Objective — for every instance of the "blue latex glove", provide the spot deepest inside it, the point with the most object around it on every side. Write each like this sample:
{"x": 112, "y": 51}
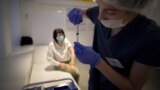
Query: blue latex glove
{"x": 75, "y": 16}
{"x": 86, "y": 55}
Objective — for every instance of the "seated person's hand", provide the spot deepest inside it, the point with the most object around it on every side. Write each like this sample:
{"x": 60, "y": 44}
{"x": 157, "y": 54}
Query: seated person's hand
{"x": 75, "y": 16}
{"x": 62, "y": 66}
{"x": 86, "y": 55}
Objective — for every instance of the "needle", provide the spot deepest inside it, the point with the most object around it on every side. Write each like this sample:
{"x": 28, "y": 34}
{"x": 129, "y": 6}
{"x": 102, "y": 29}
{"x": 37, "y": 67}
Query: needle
{"x": 77, "y": 33}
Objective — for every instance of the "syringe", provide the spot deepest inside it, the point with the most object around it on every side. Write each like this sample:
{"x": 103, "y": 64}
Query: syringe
{"x": 77, "y": 33}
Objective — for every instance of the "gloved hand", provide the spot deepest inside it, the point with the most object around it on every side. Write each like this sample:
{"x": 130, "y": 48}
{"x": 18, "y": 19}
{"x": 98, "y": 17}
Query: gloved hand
{"x": 75, "y": 16}
{"x": 86, "y": 55}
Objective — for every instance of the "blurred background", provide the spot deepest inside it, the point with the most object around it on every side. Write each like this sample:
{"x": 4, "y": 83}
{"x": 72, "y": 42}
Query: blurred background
{"x": 37, "y": 19}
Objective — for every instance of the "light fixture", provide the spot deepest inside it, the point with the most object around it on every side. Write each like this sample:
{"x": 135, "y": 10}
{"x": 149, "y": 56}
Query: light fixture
{"x": 88, "y": 0}
{"x": 59, "y": 11}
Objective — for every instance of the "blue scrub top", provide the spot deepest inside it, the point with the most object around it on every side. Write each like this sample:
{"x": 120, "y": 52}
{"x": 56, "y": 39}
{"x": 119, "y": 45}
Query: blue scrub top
{"x": 138, "y": 41}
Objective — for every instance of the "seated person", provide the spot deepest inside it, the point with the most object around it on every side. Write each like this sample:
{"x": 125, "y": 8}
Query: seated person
{"x": 61, "y": 54}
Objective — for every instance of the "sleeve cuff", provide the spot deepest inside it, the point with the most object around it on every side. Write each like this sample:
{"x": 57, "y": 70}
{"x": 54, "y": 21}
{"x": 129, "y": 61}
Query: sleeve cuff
{"x": 55, "y": 63}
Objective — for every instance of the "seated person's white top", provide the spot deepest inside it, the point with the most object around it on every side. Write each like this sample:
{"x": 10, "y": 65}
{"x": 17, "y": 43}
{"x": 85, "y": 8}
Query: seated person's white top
{"x": 57, "y": 54}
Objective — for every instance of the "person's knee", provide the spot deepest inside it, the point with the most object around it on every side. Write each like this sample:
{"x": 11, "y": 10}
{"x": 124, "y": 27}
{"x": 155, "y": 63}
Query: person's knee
{"x": 75, "y": 70}
{"x": 60, "y": 68}
{"x": 75, "y": 73}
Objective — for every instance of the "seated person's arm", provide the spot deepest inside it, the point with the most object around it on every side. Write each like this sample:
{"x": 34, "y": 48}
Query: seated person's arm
{"x": 71, "y": 51}
{"x": 50, "y": 57}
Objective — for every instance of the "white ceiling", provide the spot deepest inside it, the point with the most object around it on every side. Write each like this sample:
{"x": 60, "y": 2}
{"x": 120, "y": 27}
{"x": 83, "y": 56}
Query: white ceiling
{"x": 75, "y": 3}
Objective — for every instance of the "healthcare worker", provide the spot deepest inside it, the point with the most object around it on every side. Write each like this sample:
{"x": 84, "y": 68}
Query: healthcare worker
{"x": 61, "y": 54}
{"x": 126, "y": 44}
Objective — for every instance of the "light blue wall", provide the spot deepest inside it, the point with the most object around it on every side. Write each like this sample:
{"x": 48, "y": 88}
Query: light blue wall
{"x": 14, "y": 19}
{"x": 9, "y": 27}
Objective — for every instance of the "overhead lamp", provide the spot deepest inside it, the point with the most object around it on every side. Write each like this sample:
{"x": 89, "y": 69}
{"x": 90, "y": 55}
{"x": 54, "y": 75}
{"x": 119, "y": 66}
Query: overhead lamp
{"x": 88, "y": 0}
{"x": 59, "y": 11}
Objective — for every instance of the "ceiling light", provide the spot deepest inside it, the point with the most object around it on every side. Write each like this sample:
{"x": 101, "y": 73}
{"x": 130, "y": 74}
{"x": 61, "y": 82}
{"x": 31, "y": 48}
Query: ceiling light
{"x": 59, "y": 11}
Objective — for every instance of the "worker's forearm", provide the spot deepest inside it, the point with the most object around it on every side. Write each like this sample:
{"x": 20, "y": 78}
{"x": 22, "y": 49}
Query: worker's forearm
{"x": 117, "y": 79}
{"x": 84, "y": 12}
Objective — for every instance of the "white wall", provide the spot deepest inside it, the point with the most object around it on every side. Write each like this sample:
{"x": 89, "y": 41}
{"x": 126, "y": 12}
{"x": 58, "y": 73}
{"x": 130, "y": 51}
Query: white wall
{"x": 25, "y": 15}
{"x": 44, "y": 20}
{"x": 2, "y": 54}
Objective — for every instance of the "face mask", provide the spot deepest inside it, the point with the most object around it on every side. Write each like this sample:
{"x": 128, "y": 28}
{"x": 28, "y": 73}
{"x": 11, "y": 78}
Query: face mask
{"x": 60, "y": 38}
{"x": 113, "y": 23}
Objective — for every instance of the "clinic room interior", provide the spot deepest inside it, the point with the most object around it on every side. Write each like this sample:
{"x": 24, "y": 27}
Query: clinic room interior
{"x": 26, "y": 29}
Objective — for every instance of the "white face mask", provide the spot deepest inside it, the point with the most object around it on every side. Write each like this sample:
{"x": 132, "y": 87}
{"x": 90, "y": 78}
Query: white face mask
{"x": 113, "y": 23}
{"x": 60, "y": 38}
